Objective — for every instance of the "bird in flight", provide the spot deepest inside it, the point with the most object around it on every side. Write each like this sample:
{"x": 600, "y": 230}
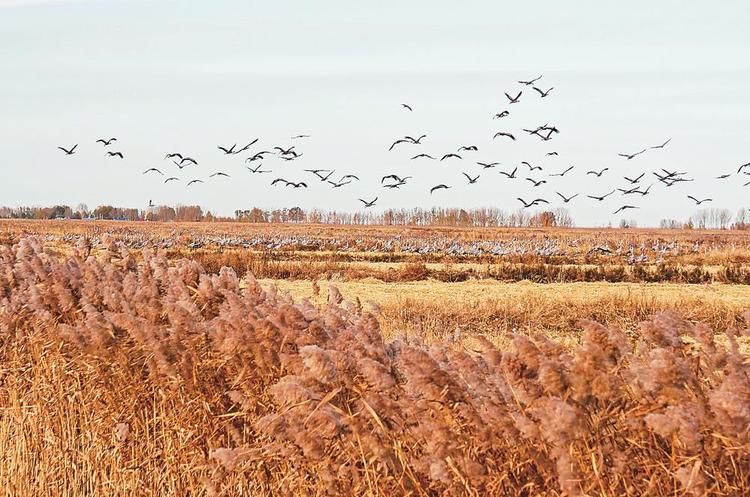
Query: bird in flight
{"x": 219, "y": 174}
{"x": 283, "y": 151}
{"x": 227, "y": 151}
{"x": 566, "y": 199}
{"x": 516, "y": 99}
{"x": 602, "y": 197}
{"x": 257, "y": 169}
{"x": 633, "y": 181}
{"x": 564, "y": 172}
{"x": 339, "y": 184}
{"x": 300, "y": 136}
{"x": 114, "y": 154}
{"x": 173, "y": 178}
{"x": 503, "y": 133}
{"x": 487, "y": 165}
{"x": 172, "y": 156}
{"x": 188, "y": 159}
{"x": 534, "y": 202}
{"x": 69, "y": 151}
{"x": 531, "y": 81}
{"x": 470, "y": 148}
{"x": 510, "y": 175}
{"x": 631, "y": 156}
{"x": 629, "y": 191}
{"x": 154, "y": 170}
{"x": 426, "y": 156}
{"x": 448, "y": 156}
{"x": 416, "y": 141}
{"x": 537, "y": 183}
{"x": 439, "y": 187}
{"x": 500, "y": 115}
{"x": 106, "y": 143}
{"x": 663, "y": 144}
{"x": 699, "y": 202}
{"x": 301, "y": 184}
{"x": 723, "y": 176}
{"x": 407, "y": 106}
{"x": 394, "y": 177}
{"x": 543, "y": 93}
{"x": 552, "y": 153}
{"x": 195, "y": 181}
{"x": 624, "y": 208}
{"x": 531, "y": 168}
{"x": 598, "y": 173}
{"x": 370, "y": 203}
{"x": 743, "y": 166}
{"x": 471, "y": 180}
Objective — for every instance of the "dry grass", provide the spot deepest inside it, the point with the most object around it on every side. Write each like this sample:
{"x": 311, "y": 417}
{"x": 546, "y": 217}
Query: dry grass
{"x": 140, "y": 376}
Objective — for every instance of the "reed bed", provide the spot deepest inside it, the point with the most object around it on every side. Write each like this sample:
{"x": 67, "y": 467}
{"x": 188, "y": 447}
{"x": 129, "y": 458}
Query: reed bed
{"x": 123, "y": 375}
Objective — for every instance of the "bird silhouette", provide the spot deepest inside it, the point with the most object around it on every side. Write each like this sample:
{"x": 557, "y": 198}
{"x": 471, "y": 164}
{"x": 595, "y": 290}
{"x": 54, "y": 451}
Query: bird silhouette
{"x": 339, "y": 184}
{"x": 510, "y": 175}
{"x": 448, "y": 156}
{"x": 531, "y": 168}
{"x": 438, "y": 187}
{"x": 503, "y": 133}
{"x": 488, "y": 165}
{"x": 500, "y": 115}
{"x": 564, "y": 172}
{"x": 552, "y": 153}
{"x": 536, "y": 183}
{"x": 369, "y": 203}
{"x": 633, "y": 181}
{"x": 349, "y": 176}
{"x": 531, "y": 81}
{"x": 227, "y": 151}
{"x": 631, "y": 156}
{"x": 407, "y": 106}
{"x": 624, "y": 208}
{"x": 257, "y": 169}
{"x": 699, "y": 202}
{"x": 219, "y": 174}
{"x": 115, "y": 154}
{"x": 106, "y": 143}
{"x": 173, "y": 178}
{"x": 470, "y": 148}
{"x": 415, "y": 141}
{"x": 188, "y": 159}
{"x": 602, "y": 197}
{"x": 70, "y": 151}
{"x": 153, "y": 169}
{"x": 195, "y": 181}
{"x": 566, "y": 199}
{"x": 724, "y": 176}
{"x": 426, "y": 156}
{"x": 516, "y": 99}
{"x": 534, "y": 202}
{"x": 471, "y": 180}
{"x": 301, "y": 184}
{"x": 743, "y": 166}
{"x": 541, "y": 92}
{"x": 598, "y": 173}
{"x": 297, "y": 137}
{"x": 663, "y": 144}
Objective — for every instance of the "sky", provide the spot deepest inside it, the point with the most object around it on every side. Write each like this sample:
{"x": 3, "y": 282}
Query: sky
{"x": 187, "y": 76}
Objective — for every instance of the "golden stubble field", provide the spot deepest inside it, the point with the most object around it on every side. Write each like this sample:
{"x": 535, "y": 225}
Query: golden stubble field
{"x": 371, "y": 361}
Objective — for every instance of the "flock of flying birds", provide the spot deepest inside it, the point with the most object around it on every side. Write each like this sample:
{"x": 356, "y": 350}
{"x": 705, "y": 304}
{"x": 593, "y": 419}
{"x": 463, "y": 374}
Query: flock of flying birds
{"x": 633, "y": 186}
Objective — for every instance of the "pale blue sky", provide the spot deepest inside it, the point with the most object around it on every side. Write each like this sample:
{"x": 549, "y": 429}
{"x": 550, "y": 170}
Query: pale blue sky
{"x": 188, "y": 76}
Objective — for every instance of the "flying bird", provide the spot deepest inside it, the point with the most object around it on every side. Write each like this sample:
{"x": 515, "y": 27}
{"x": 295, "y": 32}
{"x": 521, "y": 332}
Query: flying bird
{"x": 743, "y": 166}
{"x": 532, "y": 203}
{"x": 566, "y": 199}
{"x": 370, "y": 203}
{"x": 188, "y": 159}
{"x": 564, "y": 172}
{"x": 415, "y": 141}
{"x": 257, "y": 169}
{"x": 723, "y": 176}
{"x": 219, "y": 174}
{"x": 488, "y": 165}
{"x": 69, "y": 151}
{"x": 537, "y": 183}
{"x": 115, "y": 154}
{"x": 349, "y": 176}
{"x": 470, "y": 148}
{"x": 503, "y": 133}
{"x": 598, "y": 173}
{"x": 438, "y": 187}
{"x": 301, "y": 184}
{"x": 300, "y": 136}
{"x": 500, "y": 115}
{"x": 471, "y": 180}
{"x": 531, "y": 168}
{"x": 699, "y": 202}
{"x": 407, "y": 106}
{"x": 633, "y": 181}
{"x": 516, "y": 99}
{"x": 227, "y": 151}
{"x": 624, "y": 208}
{"x": 663, "y": 144}
{"x": 394, "y": 177}
{"x": 543, "y": 93}
{"x": 448, "y": 156}
{"x": 552, "y": 153}
{"x": 247, "y": 146}
{"x": 172, "y": 156}
{"x": 426, "y": 156}
{"x": 602, "y": 197}
{"x": 195, "y": 181}
{"x": 510, "y": 175}
{"x": 631, "y": 156}
{"x": 106, "y": 143}
{"x": 173, "y": 178}
{"x": 339, "y": 184}
{"x": 278, "y": 180}
{"x": 154, "y": 170}
{"x": 531, "y": 81}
